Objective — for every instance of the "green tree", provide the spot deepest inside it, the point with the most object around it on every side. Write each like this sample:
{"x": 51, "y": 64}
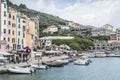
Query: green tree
{"x": 75, "y": 46}
{"x": 23, "y": 6}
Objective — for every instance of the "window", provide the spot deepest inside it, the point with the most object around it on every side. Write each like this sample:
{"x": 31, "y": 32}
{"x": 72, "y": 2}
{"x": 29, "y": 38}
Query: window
{"x": 14, "y": 46}
{"x": 23, "y": 28}
{"x": 4, "y": 22}
{"x": 4, "y": 30}
{"x": 19, "y": 20}
{"x": 19, "y": 26}
{"x": 5, "y": 13}
{"x": 19, "y": 33}
{"x": 23, "y": 35}
{"x": 22, "y": 41}
{"x": 4, "y": 38}
{"x": 9, "y": 23}
{"x": 13, "y": 32}
{"x": 23, "y": 21}
{"x": 8, "y": 39}
{"x": 9, "y": 15}
{"x": 13, "y": 40}
{"x": 13, "y": 17}
{"x": 13, "y": 24}
{"x": 18, "y": 46}
{"x": 5, "y": 5}
{"x": 8, "y": 31}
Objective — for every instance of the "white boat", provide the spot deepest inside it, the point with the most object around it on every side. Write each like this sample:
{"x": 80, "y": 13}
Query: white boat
{"x": 39, "y": 66}
{"x": 66, "y": 61}
{"x": 86, "y": 58}
{"x": 21, "y": 70}
{"x": 81, "y": 62}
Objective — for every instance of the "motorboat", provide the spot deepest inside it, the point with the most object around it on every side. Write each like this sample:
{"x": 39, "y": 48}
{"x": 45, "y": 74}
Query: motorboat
{"x": 54, "y": 63}
{"x": 21, "y": 70}
{"x": 61, "y": 61}
{"x": 39, "y": 66}
{"x": 86, "y": 58}
{"x": 81, "y": 62}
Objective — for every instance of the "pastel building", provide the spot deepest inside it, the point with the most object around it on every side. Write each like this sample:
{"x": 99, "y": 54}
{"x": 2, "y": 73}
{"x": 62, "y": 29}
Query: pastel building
{"x": 0, "y": 17}
{"x": 3, "y": 20}
{"x": 101, "y": 31}
{"x": 30, "y": 33}
{"x": 24, "y": 29}
{"x": 108, "y": 27}
{"x": 51, "y": 29}
{"x": 115, "y": 37}
{"x": 12, "y": 13}
{"x": 19, "y": 32}
{"x": 36, "y": 34}
{"x": 118, "y": 34}
{"x": 64, "y": 27}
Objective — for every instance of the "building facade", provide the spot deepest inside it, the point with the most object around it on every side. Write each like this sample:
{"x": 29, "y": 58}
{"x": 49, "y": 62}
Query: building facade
{"x": 16, "y": 29}
{"x": 65, "y": 27}
{"x": 0, "y": 17}
{"x": 108, "y": 27}
{"x": 113, "y": 37}
{"x": 30, "y": 33}
{"x": 118, "y": 34}
{"x": 36, "y": 35}
{"x": 12, "y": 32}
{"x": 19, "y": 33}
{"x": 51, "y": 29}
{"x": 3, "y": 21}
{"x": 101, "y": 32}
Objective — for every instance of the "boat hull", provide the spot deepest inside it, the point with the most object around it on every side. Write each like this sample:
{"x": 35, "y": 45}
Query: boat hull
{"x": 20, "y": 70}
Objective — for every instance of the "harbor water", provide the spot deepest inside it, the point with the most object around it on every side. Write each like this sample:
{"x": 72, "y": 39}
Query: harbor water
{"x": 99, "y": 69}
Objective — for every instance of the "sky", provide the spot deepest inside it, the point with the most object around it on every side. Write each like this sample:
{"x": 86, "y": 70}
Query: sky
{"x": 87, "y": 12}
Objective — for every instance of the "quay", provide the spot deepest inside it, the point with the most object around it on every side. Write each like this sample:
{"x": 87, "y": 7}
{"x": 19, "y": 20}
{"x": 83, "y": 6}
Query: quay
{"x": 4, "y": 68}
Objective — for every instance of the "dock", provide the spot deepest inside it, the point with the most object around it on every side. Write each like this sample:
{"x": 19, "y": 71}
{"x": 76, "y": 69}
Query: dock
{"x": 4, "y": 68}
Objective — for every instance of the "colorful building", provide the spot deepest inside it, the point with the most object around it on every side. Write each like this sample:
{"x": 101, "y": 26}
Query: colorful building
{"x": 118, "y": 34}
{"x": 30, "y": 33}
{"x": 51, "y": 29}
{"x": 0, "y": 17}
{"x": 12, "y": 13}
{"x": 3, "y": 20}
{"x": 16, "y": 29}
{"x": 113, "y": 37}
{"x": 24, "y": 29}
{"x": 36, "y": 35}
{"x": 19, "y": 29}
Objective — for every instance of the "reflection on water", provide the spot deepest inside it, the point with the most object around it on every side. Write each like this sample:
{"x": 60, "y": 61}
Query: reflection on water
{"x": 99, "y": 69}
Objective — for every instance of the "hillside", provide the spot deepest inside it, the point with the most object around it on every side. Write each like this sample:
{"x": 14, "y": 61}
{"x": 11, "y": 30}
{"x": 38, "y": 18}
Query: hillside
{"x": 44, "y": 19}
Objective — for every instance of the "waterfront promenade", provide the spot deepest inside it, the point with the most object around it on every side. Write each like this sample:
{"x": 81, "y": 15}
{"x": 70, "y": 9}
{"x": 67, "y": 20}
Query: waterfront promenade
{"x": 31, "y": 61}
